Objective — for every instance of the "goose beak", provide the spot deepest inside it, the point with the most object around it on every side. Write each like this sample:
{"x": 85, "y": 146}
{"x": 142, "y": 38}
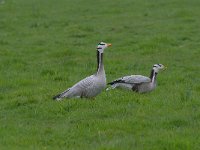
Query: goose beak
{"x": 109, "y": 44}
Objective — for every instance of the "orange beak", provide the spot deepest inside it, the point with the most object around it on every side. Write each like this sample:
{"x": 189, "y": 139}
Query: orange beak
{"x": 109, "y": 44}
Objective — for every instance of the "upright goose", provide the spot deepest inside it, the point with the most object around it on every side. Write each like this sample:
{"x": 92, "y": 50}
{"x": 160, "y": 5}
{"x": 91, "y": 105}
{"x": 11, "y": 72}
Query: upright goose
{"x": 138, "y": 83}
{"x": 92, "y": 85}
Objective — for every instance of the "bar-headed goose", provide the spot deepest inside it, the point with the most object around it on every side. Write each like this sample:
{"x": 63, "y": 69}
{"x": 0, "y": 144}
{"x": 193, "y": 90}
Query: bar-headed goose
{"x": 138, "y": 83}
{"x": 90, "y": 86}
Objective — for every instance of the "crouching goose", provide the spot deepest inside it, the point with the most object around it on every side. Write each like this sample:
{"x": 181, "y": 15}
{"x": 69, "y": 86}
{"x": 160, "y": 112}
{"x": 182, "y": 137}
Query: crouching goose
{"x": 138, "y": 83}
{"x": 90, "y": 86}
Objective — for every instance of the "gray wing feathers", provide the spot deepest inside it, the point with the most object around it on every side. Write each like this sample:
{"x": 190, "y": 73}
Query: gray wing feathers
{"x": 78, "y": 89}
{"x": 87, "y": 82}
{"x": 135, "y": 79}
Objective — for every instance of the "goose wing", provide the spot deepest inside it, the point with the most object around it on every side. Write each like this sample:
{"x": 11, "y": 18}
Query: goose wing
{"x": 78, "y": 89}
{"x": 132, "y": 79}
{"x": 85, "y": 83}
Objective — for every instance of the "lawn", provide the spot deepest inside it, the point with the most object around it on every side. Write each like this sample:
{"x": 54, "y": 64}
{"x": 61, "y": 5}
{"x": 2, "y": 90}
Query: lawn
{"x": 48, "y": 45}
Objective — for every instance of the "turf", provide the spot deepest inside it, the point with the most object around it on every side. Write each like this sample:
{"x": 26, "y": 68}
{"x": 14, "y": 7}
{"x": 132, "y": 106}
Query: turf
{"x": 47, "y": 46}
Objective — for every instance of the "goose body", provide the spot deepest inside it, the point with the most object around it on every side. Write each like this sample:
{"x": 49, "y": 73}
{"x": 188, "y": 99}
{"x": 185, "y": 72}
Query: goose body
{"x": 92, "y": 85}
{"x": 138, "y": 83}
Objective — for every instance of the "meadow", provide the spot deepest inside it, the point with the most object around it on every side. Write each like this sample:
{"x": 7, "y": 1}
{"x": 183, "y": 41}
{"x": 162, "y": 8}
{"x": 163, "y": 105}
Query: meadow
{"x": 47, "y": 46}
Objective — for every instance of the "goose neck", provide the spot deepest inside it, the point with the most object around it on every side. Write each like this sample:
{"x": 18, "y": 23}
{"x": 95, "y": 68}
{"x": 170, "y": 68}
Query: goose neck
{"x": 153, "y": 76}
{"x": 100, "y": 66}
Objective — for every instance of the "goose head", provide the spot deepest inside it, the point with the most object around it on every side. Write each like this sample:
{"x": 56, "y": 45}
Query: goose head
{"x": 158, "y": 67}
{"x": 102, "y": 45}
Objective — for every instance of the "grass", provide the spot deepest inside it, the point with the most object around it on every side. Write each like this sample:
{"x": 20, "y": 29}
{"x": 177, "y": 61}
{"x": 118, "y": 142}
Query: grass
{"x": 47, "y": 46}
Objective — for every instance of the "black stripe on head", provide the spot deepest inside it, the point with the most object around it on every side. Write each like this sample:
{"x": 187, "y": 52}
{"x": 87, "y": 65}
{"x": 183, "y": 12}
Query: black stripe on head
{"x": 99, "y": 48}
{"x": 159, "y": 65}
{"x": 101, "y": 44}
{"x": 156, "y": 65}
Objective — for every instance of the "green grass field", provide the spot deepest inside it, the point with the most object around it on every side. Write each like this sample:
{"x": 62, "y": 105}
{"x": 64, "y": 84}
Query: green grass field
{"x": 48, "y": 45}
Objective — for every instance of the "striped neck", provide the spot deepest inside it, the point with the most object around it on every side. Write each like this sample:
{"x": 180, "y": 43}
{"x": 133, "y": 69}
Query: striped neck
{"x": 100, "y": 66}
{"x": 153, "y": 76}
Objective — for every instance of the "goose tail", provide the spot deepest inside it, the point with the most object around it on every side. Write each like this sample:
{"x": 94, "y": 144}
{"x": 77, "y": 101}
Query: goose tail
{"x": 59, "y": 96}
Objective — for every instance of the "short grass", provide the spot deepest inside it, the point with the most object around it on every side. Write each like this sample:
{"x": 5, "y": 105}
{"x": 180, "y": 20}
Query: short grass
{"x": 48, "y": 45}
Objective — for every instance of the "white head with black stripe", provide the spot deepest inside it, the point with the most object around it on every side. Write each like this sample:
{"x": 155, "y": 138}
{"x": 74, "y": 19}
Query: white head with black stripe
{"x": 102, "y": 45}
{"x": 158, "y": 67}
